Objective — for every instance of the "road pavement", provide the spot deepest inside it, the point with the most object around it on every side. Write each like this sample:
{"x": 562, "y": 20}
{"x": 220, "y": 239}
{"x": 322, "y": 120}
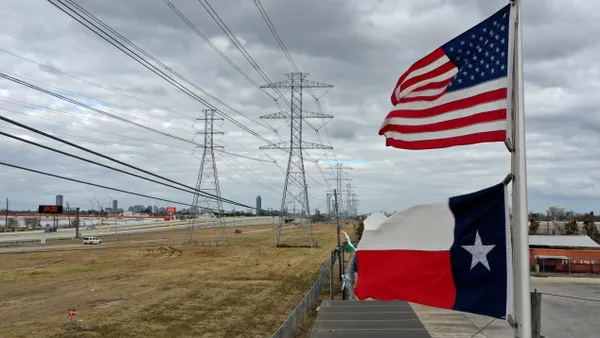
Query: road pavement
{"x": 126, "y": 228}
{"x": 568, "y": 317}
{"x": 104, "y": 245}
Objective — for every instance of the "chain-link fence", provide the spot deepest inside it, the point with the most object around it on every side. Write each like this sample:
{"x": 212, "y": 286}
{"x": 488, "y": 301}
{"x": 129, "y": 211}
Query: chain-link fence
{"x": 349, "y": 277}
{"x": 565, "y": 265}
{"x": 303, "y": 309}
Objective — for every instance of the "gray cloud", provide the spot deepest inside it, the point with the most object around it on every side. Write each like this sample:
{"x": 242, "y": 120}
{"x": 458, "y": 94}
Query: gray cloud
{"x": 361, "y": 48}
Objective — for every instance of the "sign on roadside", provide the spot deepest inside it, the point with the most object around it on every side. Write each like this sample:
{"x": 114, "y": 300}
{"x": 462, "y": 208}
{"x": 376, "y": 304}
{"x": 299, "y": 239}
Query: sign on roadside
{"x": 72, "y": 312}
{"x": 43, "y": 240}
{"x": 171, "y": 209}
{"x": 50, "y": 209}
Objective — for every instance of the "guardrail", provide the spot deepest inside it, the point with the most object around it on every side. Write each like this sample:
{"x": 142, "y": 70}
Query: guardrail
{"x": 27, "y": 241}
{"x": 288, "y": 328}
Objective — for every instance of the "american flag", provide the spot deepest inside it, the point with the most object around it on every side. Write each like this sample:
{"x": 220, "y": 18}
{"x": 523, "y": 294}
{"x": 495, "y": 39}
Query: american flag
{"x": 456, "y": 95}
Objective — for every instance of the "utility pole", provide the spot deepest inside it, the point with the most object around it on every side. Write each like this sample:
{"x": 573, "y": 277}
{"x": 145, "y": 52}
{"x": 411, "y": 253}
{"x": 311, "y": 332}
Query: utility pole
{"x": 339, "y": 177}
{"x": 295, "y": 188}
{"x": 6, "y": 216}
{"x": 77, "y": 223}
{"x": 328, "y": 208}
{"x": 339, "y": 248}
{"x": 208, "y": 178}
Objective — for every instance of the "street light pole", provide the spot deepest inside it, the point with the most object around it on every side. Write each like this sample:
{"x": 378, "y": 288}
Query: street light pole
{"x": 97, "y": 213}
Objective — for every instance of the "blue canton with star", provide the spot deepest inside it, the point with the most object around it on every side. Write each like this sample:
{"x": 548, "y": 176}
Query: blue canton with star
{"x": 481, "y": 53}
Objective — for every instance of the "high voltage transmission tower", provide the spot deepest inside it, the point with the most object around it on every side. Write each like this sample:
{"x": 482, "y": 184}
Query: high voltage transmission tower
{"x": 339, "y": 177}
{"x": 295, "y": 188}
{"x": 349, "y": 201}
{"x": 208, "y": 177}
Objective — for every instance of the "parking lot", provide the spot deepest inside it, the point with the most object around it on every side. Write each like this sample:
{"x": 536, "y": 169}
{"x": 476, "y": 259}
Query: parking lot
{"x": 565, "y": 313}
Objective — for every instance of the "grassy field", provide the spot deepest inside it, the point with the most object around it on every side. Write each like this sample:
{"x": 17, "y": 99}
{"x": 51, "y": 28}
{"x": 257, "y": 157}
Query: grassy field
{"x": 246, "y": 289}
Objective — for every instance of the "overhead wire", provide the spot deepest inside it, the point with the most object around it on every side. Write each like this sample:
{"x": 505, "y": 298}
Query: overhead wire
{"x": 215, "y": 48}
{"x": 106, "y": 104}
{"x": 265, "y": 16}
{"x": 249, "y": 58}
{"x": 94, "y": 184}
{"x": 279, "y": 41}
{"x": 99, "y": 164}
{"x": 240, "y": 47}
{"x": 145, "y": 147}
{"x": 83, "y": 105}
{"x": 37, "y": 131}
{"x": 74, "y": 116}
{"x": 94, "y": 84}
{"x": 114, "y": 134}
{"x": 132, "y": 54}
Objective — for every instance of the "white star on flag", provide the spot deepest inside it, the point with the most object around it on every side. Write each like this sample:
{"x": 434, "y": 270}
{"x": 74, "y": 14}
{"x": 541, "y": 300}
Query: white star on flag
{"x": 479, "y": 252}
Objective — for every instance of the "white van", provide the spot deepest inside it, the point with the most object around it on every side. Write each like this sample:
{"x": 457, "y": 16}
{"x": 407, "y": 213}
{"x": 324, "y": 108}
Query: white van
{"x": 92, "y": 240}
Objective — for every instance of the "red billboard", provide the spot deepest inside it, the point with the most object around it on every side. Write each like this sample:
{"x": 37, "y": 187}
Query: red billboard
{"x": 171, "y": 209}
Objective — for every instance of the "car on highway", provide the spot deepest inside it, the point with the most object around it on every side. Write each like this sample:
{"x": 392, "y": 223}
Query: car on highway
{"x": 91, "y": 240}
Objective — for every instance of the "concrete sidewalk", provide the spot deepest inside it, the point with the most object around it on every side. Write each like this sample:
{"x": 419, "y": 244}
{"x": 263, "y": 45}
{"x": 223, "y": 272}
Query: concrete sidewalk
{"x": 442, "y": 323}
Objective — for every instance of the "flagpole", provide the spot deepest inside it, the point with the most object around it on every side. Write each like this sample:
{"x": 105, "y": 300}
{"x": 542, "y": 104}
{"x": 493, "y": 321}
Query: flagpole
{"x": 520, "y": 189}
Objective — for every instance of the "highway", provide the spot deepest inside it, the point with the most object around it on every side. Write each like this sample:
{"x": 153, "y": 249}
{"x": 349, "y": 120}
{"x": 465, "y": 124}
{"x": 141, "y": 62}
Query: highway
{"x": 105, "y": 245}
{"x": 7, "y": 238}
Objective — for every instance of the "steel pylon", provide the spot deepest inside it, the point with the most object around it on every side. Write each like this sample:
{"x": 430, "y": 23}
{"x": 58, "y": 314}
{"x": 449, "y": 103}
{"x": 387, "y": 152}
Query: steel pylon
{"x": 208, "y": 177}
{"x": 295, "y": 189}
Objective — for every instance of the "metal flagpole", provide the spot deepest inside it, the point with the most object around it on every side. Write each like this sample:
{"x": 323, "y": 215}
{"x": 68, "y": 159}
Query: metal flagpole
{"x": 521, "y": 233}
{"x": 510, "y": 139}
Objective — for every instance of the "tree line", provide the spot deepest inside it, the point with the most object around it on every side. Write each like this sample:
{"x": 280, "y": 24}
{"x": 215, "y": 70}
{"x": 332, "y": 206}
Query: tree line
{"x": 571, "y": 227}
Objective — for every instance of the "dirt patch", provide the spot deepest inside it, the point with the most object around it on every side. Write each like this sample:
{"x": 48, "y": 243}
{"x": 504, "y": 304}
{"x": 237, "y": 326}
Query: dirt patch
{"x": 104, "y": 305}
{"x": 162, "y": 251}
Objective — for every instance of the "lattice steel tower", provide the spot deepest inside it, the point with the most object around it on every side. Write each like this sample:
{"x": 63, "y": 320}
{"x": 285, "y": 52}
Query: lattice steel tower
{"x": 295, "y": 188}
{"x": 208, "y": 177}
{"x": 339, "y": 177}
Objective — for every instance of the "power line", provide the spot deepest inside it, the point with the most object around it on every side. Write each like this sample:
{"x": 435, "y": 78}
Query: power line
{"x": 106, "y": 157}
{"x": 234, "y": 40}
{"x": 107, "y": 166}
{"x": 93, "y": 84}
{"x": 92, "y": 184}
{"x": 109, "y": 105}
{"x": 119, "y": 45}
{"x": 79, "y": 117}
{"x": 51, "y": 93}
{"x": 207, "y": 40}
{"x": 119, "y": 135}
{"x": 265, "y": 16}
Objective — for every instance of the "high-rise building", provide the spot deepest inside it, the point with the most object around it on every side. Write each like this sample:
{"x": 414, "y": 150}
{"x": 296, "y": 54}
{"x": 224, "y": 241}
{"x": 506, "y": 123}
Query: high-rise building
{"x": 59, "y": 200}
{"x": 115, "y": 206}
{"x": 258, "y": 204}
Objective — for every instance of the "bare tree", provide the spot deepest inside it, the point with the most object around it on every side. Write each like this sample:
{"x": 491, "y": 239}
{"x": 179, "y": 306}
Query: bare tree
{"x": 32, "y": 222}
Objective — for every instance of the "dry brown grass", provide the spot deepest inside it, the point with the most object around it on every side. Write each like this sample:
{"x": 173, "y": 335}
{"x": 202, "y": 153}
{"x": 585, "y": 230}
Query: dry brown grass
{"x": 246, "y": 289}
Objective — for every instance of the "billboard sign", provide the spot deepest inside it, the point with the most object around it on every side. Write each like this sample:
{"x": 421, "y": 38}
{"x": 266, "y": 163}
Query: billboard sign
{"x": 171, "y": 209}
{"x": 50, "y": 209}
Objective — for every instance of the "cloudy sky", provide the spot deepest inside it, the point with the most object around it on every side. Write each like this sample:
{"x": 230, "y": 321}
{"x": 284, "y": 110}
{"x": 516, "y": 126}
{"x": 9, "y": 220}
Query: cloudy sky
{"x": 359, "y": 47}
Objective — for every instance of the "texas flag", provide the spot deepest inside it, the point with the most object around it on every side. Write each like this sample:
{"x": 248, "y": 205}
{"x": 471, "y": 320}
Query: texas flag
{"x": 452, "y": 255}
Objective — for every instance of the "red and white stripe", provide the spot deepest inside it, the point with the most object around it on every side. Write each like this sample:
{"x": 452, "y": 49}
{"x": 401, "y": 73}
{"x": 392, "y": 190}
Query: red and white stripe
{"x": 426, "y": 117}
